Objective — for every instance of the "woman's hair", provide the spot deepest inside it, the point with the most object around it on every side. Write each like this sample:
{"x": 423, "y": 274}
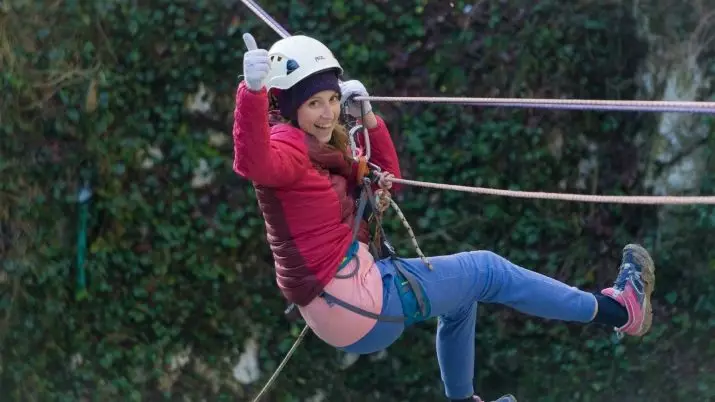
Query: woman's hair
{"x": 341, "y": 141}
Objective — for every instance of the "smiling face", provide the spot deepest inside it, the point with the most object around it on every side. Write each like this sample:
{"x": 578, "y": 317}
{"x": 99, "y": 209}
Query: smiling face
{"x": 319, "y": 115}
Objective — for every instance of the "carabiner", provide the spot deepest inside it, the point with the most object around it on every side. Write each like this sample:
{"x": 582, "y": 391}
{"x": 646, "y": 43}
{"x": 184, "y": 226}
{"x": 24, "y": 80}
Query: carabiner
{"x": 353, "y": 143}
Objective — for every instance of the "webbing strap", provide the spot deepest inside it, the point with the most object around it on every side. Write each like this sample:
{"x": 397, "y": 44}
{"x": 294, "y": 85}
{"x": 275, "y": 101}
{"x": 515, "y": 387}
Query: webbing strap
{"x": 367, "y": 195}
{"x": 362, "y": 204}
{"x": 411, "y": 281}
{"x": 352, "y": 273}
{"x": 416, "y": 289}
{"x": 355, "y": 309}
{"x": 356, "y": 229}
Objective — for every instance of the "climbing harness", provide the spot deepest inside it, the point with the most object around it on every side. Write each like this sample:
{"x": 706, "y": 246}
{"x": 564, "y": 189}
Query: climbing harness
{"x": 406, "y": 283}
{"x": 415, "y": 307}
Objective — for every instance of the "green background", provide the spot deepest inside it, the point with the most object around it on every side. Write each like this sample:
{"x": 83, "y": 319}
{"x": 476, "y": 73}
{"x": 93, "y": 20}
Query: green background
{"x": 89, "y": 88}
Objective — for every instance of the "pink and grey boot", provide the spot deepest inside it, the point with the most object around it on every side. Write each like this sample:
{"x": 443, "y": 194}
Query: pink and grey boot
{"x": 633, "y": 288}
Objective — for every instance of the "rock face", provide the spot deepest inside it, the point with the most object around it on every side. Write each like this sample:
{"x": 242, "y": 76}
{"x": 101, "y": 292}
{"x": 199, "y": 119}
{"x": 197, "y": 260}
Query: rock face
{"x": 678, "y": 67}
{"x": 680, "y": 37}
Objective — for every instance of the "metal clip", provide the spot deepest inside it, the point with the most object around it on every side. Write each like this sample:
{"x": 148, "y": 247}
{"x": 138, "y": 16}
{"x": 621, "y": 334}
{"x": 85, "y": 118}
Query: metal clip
{"x": 353, "y": 142}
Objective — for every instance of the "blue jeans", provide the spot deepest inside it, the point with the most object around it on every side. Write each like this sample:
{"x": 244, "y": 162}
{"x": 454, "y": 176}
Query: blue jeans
{"x": 455, "y": 286}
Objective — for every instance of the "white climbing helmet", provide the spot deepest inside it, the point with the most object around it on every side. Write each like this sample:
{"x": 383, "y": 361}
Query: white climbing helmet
{"x": 296, "y": 57}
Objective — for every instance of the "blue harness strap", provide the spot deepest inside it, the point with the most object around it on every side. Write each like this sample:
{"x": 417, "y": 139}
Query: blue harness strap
{"x": 415, "y": 304}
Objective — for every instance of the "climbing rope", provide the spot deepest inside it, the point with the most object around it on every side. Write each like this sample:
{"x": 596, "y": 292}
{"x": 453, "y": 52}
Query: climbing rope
{"x": 385, "y": 201}
{"x": 578, "y": 104}
{"x": 283, "y": 363}
{"x": 411, "y": 233}
{"x": 263, "y": 15}
{"x": 619, "y": 199}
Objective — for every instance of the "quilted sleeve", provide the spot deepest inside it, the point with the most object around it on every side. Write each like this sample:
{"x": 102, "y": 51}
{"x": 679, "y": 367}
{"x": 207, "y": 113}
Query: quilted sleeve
{"x": 257, "y": 157}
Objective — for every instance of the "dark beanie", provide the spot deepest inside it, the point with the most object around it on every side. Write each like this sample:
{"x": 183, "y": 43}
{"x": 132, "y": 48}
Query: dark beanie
{"x": 289, "y": 100}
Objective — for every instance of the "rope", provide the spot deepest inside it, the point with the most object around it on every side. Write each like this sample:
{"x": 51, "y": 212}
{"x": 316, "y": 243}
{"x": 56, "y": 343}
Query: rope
{"x": 262, "y": 14}
{"x": 618, "y": 199}
{"x": 411, "y": 233}
{"x": 578, "y": 104}
{"x": 385, "y": 201}
{"x": 283, "y": 363}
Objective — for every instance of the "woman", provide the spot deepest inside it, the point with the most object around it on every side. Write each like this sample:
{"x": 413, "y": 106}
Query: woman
{"x": 305, "y": 177}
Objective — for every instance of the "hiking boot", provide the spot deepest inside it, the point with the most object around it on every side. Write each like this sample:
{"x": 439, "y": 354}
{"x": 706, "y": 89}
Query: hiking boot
{"x": 633, "y": 288}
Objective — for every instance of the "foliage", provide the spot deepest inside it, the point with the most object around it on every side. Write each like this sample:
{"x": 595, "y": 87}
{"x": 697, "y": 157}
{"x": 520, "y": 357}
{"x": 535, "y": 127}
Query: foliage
{"x": 137, "y": 99}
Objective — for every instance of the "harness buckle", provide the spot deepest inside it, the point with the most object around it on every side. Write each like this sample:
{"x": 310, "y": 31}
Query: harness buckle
{"x": 362, "y": 170}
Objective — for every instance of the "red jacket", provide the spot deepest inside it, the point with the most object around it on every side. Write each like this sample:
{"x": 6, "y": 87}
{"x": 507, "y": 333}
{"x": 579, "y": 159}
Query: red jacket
{"x": 304, "y": 192}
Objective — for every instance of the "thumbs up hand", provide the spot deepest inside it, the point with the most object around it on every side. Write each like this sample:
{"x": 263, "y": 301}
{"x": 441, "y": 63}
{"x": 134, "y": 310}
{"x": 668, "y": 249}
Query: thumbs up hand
{"x": 256, "y": 64}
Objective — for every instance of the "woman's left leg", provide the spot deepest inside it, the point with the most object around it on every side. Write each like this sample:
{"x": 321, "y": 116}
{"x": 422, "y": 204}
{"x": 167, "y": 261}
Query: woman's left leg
{"x": 460, "y": 281}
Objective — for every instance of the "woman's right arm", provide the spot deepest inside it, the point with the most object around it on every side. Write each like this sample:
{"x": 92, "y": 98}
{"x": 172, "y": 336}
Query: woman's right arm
{"x": 270, "y": 162}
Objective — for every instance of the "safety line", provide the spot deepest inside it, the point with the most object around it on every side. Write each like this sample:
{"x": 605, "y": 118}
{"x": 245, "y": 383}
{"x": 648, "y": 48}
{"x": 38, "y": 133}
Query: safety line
{"x": 618, "y": 199}
{"x": 263, "y": 15}
{"x": 578, "y": 104}
{"x": 283, "y": 363}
